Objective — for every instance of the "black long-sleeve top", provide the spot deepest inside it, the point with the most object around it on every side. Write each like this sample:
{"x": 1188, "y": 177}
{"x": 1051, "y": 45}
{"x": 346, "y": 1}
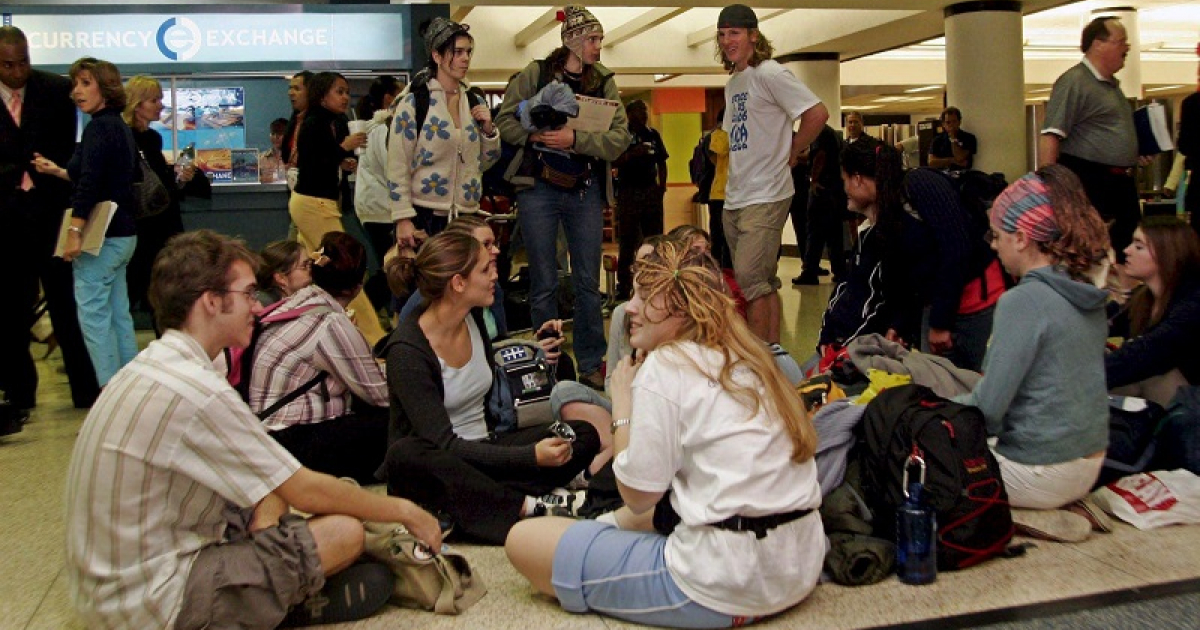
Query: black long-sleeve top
{"x": 103, "y": 168}
{"x": 1169, "y": 344}
{"x": 960, "y": 256}
{"x": 320, "y": 153}
{"x": 417, "y": 399}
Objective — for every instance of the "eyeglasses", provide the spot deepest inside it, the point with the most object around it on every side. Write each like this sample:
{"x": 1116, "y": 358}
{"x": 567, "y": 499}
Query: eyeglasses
{"x": 306, "y": 265}
{"x": 250, "y": 292}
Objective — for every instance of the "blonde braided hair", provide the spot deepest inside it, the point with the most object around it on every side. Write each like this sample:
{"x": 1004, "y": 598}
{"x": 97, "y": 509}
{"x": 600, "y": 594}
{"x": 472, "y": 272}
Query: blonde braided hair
{"x": 689, "y": 283}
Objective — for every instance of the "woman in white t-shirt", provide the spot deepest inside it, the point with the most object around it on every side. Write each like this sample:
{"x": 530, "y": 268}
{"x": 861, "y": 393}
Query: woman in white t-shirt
{"x": 714, "y": 462}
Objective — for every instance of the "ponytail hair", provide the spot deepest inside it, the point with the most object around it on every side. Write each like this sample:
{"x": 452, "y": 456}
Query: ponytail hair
{"x": 442, "y": 257}
{"x": 883, "y": 164}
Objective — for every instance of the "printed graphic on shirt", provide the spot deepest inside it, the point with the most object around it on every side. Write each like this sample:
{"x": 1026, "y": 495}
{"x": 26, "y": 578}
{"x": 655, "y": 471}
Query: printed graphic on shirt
{"x": 738, "y": 134}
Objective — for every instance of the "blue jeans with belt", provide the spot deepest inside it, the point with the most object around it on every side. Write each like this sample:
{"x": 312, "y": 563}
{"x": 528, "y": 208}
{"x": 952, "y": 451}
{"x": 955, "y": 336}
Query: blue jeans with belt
{"x": 102, "y": 300}
{"x": 541, "y": 210}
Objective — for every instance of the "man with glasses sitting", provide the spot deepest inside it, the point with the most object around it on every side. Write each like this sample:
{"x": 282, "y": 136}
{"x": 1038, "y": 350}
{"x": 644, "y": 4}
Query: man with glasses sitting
{"x": 178, "y": 501}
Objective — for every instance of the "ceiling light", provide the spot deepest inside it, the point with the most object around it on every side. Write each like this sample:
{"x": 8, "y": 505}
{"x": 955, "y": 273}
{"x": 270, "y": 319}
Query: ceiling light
{"x": 858, "y": 107}
{"x": 1040, "y": 90}
{"x": 659, "y": 78}
{"x": 1164, "y": 87}
{"x": 923, "y": 89}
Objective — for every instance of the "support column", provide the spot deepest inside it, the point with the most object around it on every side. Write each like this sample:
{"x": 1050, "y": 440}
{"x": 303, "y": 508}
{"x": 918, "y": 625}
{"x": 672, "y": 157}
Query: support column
{"x": 985, "y": 78}
{"x": 822, "y": 73}
{"x": 1131, "y": 75}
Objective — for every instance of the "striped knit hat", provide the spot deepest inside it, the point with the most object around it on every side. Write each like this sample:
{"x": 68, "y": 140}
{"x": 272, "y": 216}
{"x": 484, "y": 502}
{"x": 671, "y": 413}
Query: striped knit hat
{"x": 578, "y": 24}
{"x": 1026, "y": 206}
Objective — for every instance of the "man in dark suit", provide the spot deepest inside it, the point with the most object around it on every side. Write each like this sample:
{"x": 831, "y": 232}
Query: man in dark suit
{"x": 37, "y": 116}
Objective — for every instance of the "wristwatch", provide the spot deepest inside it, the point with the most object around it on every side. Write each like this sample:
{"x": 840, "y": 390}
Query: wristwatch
{"x": 618, "y": 423}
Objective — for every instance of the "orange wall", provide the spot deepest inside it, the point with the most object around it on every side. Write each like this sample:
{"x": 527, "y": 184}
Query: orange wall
{"x": 677, "y": 101}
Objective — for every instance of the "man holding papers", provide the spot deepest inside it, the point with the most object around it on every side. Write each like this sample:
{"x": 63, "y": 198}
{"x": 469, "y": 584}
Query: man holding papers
{"x": 1089, "y": 129}
{"x": 571, "y": 182}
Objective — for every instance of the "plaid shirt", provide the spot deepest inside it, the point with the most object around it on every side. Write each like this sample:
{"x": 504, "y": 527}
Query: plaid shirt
{"x": 291, "y": 353}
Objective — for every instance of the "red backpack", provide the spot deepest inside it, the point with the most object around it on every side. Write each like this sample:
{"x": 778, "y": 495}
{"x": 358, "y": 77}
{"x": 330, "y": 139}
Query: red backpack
{"x": 241, "y": 360}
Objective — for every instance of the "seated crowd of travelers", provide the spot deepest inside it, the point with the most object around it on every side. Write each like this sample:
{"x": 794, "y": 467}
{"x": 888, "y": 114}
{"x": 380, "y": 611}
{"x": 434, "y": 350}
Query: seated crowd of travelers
{"x": 689, "y": 493}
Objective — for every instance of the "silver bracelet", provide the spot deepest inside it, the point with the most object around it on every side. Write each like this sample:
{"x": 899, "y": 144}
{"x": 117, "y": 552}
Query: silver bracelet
{"x": 618, "y": 423}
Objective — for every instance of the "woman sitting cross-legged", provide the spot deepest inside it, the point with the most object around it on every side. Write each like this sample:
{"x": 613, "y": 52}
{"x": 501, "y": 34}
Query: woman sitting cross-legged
{"x": 714, "y": 451}
{"x": 1043, "y": 392}
{"x": 444, "y": 452}
{"x": 337, "y": 424}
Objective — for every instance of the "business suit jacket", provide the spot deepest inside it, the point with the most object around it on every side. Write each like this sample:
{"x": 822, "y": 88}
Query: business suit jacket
{"x": 48, "y": 123}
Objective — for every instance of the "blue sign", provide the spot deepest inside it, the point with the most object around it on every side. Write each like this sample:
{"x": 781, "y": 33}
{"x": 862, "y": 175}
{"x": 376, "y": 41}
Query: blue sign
{"x": 181, "y": 36}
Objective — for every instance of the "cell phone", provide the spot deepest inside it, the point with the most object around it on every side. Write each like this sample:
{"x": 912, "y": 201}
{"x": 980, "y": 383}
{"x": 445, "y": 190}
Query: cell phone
{"x": 548, "y": 333}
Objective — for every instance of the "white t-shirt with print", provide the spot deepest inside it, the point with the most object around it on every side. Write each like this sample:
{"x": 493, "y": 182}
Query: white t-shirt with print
{"x": 689, "y": 435}
{"x": 761, "y": 103}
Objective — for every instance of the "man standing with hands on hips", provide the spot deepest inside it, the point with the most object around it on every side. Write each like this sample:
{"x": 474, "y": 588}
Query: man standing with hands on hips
{"x": 762, "y": 101}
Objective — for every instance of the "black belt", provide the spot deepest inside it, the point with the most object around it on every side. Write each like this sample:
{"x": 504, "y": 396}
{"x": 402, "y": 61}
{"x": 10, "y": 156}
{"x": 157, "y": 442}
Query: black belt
{"x": 760, "y": 525}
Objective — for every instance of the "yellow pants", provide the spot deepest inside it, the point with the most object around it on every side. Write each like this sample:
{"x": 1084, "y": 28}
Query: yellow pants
{"x": 314, "y": 217}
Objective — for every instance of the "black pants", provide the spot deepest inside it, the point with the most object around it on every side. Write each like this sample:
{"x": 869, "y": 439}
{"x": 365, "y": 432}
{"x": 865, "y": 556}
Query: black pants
{"x": 799, "y": 212}
{"x": 1114, "y": 196}
{"x": 152, "y": 235}
{"x": 639, "y": 214}
{"x": 382, "y": 236}
{"x": 484, "y": 501}
{"x": 825, "y": 227}
{"x": 31, "y": 227}
{"x": 716, "y": 228}
{"x": 1191, "y": 202}
{"x": 350, "y": 446}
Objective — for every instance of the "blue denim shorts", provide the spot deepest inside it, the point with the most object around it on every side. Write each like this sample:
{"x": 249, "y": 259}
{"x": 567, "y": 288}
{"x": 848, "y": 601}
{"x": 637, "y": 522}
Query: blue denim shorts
{"x": 624, "y": 574}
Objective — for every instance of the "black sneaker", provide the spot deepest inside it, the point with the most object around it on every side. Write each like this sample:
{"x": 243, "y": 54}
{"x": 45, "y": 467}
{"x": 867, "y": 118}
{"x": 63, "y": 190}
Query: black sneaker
{"x": 806, "y": 279}
{"x": 356, "y": 593}
{"x": 821, "y": 271}
{"x": 557, "y": 503}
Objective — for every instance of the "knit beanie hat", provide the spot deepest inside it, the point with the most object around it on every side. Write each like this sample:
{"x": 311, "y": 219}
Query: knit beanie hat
{"x": 1026, "y": 206}
{"x": 737, "y": 16}
{"x": 440, "y": 31}
{"x": 578, "y": 24}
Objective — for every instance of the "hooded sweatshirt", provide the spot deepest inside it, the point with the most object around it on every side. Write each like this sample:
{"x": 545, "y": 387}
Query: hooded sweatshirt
{"x": 1043, "y": 390}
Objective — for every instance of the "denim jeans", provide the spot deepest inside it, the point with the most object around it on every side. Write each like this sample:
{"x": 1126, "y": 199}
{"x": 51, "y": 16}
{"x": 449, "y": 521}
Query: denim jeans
{"x": 102, "y": 300}
{"x": 541, "y": 210}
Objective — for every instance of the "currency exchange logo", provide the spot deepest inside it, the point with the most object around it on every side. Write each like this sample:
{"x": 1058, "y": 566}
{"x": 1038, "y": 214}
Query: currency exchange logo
{"x": 178, "y": 39}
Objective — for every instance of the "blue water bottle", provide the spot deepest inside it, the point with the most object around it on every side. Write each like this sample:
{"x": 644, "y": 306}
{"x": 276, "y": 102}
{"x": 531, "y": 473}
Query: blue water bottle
{"x": 916, "y": 529}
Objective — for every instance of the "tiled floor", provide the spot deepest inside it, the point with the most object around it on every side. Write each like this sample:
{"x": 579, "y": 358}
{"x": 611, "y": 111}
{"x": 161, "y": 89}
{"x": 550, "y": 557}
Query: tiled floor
{"x": 1106, "y": 568}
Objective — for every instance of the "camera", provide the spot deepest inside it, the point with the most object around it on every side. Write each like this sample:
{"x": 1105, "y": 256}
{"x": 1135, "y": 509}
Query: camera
{"x": 562, "y": 430}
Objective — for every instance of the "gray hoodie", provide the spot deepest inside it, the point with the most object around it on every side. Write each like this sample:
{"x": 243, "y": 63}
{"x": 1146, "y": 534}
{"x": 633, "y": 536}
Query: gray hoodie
{"x": 1043, "y": 391}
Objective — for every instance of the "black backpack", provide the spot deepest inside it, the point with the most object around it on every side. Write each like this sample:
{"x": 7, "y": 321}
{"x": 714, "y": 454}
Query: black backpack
{"x": 701, "y": 168}
{"x": 962, "y": 480}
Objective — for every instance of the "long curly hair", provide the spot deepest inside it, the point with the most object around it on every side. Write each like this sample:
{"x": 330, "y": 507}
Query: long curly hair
{"x": 689, "y": 283}
{"x": 1083, "y": 243}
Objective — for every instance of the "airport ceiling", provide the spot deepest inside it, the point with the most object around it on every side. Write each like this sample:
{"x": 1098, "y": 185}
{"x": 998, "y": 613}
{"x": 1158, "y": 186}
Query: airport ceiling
{"x": 886, "y": 46}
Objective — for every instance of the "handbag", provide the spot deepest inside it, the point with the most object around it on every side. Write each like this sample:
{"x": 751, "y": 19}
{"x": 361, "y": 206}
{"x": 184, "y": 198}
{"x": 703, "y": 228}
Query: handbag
{"x": 150, "y": 195}
{"x": 442, "y": 582}
{"x": 561, "y": 171}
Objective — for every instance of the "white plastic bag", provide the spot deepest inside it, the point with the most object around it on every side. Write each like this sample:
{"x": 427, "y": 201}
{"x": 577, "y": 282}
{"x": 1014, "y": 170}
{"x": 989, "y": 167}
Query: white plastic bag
{"x": 1154, "y": 499}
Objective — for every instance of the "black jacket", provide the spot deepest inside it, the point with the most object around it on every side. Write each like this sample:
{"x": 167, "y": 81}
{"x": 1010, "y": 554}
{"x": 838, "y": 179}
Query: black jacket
{"x": 320, "y": 153}
{"x": 104, "y": 168}
{"x": 47, "y": 127}
{"x": 417, "y": 395}
{"x": 1171, "y": 343}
